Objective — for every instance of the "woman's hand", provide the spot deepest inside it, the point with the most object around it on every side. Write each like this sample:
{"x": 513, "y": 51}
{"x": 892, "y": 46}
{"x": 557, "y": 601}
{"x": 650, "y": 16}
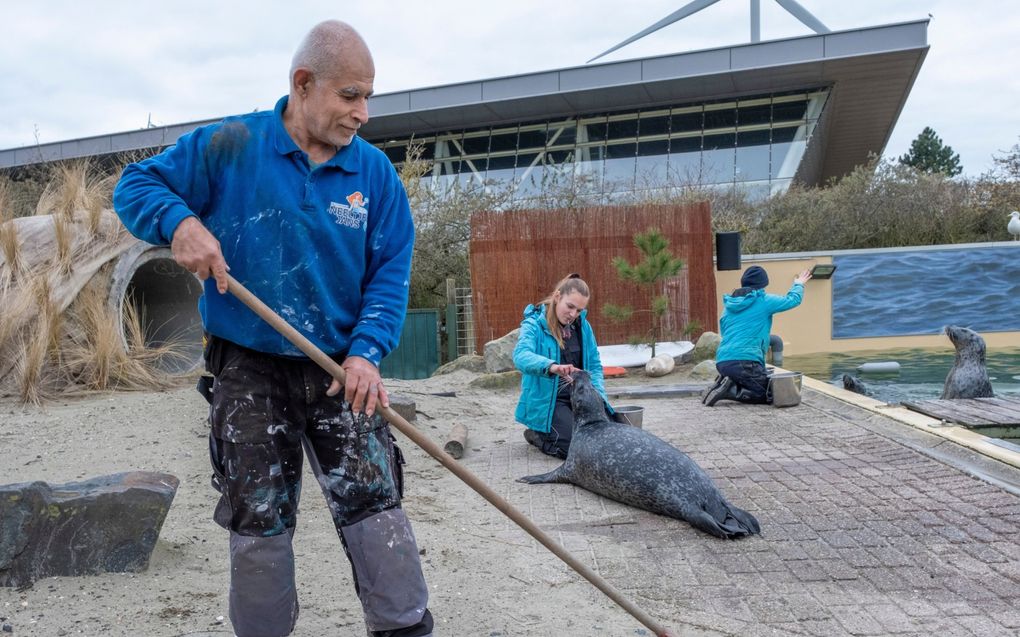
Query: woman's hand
{"x": 803, "y": 277}
{"x": 563, "y": 371}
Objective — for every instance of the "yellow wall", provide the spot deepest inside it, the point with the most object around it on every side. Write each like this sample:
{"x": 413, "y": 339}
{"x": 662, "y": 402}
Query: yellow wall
{"x": 808, "y": 328}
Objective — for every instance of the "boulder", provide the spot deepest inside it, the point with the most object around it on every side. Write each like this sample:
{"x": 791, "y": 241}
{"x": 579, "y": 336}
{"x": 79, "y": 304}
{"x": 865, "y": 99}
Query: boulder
{"x": 499, "y": 354}
{"x": 404, "y": 405}
{"x": 502, "y": 380}
{"x": 660, "y": 365}
{"x": 107, "y": 524}
{"x": 705, "y": 370}
{"x": 470, "y": 362}
{"x": 684, "y": 358}
{"x": 706, "y": 347}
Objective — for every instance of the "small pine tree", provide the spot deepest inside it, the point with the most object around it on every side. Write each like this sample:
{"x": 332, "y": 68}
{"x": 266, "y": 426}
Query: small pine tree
{"x": 658, "y": 264}
{"x": 928, "y": 154}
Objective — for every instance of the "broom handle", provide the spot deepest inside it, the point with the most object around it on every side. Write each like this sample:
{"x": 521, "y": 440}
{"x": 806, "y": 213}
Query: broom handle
{"x": 434, "y": 450}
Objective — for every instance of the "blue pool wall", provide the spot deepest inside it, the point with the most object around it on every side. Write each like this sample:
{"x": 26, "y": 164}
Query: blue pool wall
{"x": 915, "y": 291}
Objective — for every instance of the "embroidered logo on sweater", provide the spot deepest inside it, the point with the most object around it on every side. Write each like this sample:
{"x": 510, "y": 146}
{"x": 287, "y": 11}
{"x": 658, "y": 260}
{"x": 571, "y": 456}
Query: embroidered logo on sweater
{"x": 354, "y": 214}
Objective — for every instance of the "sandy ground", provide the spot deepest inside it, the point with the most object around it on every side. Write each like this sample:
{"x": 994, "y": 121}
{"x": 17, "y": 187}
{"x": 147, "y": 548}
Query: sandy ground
{"x": 489, "y": 580}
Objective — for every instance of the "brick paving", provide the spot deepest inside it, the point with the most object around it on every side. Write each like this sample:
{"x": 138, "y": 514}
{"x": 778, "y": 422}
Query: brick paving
{"x": 863, "y": 531}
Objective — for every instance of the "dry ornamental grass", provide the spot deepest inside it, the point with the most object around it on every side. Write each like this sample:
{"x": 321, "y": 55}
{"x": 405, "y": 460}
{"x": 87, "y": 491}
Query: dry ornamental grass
{"x": 59, "y": 332}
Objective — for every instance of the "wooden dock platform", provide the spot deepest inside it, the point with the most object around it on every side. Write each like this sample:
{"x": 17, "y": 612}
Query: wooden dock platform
{"x": 990, "y": 416}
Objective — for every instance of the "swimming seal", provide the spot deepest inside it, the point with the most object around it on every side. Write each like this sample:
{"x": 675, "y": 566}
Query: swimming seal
{"x": 632, "y": 466}
{"x": 854, "y": 384}
{"x": 969, "y": 377}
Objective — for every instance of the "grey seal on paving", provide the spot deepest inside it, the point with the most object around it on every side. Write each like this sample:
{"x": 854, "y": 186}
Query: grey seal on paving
{"x": 969, "y": 377}
{"x": 856, "y": 385}
{"x": 632, "y": 466}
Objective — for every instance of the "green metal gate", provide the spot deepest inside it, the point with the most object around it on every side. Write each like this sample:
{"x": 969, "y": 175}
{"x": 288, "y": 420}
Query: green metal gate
{"x": 417, "y": 354}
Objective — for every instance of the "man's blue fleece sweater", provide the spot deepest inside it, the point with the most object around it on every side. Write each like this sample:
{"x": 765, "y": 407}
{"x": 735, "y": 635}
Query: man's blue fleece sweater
{"x": 329, "y": 247}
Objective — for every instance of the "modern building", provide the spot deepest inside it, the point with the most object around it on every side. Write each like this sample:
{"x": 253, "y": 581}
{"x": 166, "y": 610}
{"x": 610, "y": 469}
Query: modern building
{"x": 757, "y": 116}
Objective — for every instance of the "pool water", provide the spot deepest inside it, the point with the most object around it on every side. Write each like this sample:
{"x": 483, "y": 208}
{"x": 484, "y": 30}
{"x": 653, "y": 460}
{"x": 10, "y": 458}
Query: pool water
{"x": 921, "y": 376}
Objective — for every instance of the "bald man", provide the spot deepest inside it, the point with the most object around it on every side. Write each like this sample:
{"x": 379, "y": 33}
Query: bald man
{"x": 316, "y": 223}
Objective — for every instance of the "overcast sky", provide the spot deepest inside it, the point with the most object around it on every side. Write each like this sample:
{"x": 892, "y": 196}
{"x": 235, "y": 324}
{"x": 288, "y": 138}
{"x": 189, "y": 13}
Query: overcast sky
{"x": 74, "y": 69}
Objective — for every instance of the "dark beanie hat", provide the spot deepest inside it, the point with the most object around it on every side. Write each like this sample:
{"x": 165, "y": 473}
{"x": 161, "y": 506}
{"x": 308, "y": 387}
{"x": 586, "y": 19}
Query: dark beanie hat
{"x": 754, "y": 277}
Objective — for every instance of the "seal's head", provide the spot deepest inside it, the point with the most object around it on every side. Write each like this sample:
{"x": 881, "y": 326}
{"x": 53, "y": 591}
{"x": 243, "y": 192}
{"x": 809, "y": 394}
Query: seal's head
{"x": 585, "y": 400}
{"x": 968, "y": 343}
{"x": 853, "y": 384}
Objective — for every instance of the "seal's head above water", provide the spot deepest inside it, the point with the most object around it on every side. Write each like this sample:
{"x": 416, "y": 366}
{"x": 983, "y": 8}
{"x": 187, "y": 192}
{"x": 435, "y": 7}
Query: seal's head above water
{"x": 968, "y": 343}
{"x": 969, "y": 376}
{"x": 854, "y": 384}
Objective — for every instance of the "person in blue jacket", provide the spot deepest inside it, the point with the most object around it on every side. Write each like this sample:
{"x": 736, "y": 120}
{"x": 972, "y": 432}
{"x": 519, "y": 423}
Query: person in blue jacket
{"x": 745, "y": 327}
{"x": 316, "y": 223}
{"x": 555, "y": 340}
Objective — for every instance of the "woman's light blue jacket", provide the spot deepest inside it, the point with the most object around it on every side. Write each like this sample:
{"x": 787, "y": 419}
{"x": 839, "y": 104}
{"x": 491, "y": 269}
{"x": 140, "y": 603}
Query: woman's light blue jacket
{"x": 536, "y": 350}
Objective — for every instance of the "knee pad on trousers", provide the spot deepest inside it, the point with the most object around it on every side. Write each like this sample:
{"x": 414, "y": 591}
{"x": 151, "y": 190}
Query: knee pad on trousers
{"x": 384, "y": 556}
{"x": 263, "y": 595}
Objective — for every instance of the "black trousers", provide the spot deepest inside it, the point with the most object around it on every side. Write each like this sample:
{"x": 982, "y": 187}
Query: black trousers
{"x": 749, "y": 376}
{"x": 557, "y": 442}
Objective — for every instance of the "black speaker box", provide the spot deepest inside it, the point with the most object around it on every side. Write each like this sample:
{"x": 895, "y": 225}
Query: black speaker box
{"x": 727, "y": 250}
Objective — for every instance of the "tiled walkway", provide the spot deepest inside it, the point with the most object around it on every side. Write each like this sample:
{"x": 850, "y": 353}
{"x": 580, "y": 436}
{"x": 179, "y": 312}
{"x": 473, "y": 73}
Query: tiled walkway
{"x": 864, "y": 533}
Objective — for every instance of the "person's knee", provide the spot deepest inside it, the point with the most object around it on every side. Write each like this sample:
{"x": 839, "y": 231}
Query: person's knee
{"x": 387, "y": 571}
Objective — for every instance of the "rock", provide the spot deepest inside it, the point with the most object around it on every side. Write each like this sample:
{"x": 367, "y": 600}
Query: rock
{"x": 404, "y": 405}
{"x": 502, "y": 380}
{"x": 684, "y": 358}
{"x": 499, "y": 354}
{"x": 105, "y": 524}
{"x": 705, "y": 370}
{"x": 706, "y": 346}
{"x": 660, "y": 365}
{"x": 470, "y": 362}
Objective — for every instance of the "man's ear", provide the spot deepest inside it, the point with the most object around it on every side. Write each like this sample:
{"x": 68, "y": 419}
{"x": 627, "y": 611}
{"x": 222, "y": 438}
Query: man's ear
{"x": 300, "y": 81}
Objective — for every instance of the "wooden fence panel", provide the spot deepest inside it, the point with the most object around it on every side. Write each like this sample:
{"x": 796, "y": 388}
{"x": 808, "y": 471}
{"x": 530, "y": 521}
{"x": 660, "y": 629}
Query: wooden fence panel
{"x": 518, "y": 256}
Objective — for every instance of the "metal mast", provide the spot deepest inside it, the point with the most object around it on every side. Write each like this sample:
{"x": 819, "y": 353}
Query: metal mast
{"x": 791, "y": 6}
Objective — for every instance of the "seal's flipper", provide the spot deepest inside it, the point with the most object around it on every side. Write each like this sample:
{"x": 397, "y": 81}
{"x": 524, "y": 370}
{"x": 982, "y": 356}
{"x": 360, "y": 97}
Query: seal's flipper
{"x": 556, "y": 475}
{"x": 739, "y": 522}
{"x": 734, "y": 523}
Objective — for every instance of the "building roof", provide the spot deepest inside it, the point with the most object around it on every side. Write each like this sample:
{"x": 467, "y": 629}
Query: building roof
{"x": 871, "y": 71}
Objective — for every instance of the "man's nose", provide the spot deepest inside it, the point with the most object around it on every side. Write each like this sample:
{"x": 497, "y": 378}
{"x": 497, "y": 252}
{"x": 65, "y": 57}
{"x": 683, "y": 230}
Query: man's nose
{"x": 360, "y": 113}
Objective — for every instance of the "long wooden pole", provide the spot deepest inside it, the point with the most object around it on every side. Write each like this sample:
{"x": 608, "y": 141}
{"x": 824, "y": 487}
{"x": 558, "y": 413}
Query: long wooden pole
{"x": 434, "y": 450}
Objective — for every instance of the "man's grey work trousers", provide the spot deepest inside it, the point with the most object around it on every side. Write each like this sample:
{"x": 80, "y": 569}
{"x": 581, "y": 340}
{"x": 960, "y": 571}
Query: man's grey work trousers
{"x": 267, "y": 412}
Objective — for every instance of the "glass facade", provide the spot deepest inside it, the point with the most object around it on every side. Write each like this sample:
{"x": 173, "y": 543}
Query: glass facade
{"x": 755, "y": 143}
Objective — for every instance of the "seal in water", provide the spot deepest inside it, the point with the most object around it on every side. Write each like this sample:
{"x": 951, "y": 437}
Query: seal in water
{"x": 969, "y": 377}
{"x": 854, "y": 384}
{"x": 632, "y": 466}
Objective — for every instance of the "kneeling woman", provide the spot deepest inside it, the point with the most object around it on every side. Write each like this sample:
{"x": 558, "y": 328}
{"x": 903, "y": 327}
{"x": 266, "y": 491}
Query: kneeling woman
{"x": 555, "y": 340}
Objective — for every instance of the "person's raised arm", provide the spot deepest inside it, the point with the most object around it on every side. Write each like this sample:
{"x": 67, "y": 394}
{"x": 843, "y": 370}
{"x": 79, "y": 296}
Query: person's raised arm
{"x": 793, "y": 298}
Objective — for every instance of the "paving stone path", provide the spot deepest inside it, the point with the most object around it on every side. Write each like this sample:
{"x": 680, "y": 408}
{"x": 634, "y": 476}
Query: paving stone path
{"x": 864, "y": 531}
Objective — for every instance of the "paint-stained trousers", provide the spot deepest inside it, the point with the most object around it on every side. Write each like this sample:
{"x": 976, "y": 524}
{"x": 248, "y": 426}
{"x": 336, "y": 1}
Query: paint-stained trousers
{"x": 267, "y": 413}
